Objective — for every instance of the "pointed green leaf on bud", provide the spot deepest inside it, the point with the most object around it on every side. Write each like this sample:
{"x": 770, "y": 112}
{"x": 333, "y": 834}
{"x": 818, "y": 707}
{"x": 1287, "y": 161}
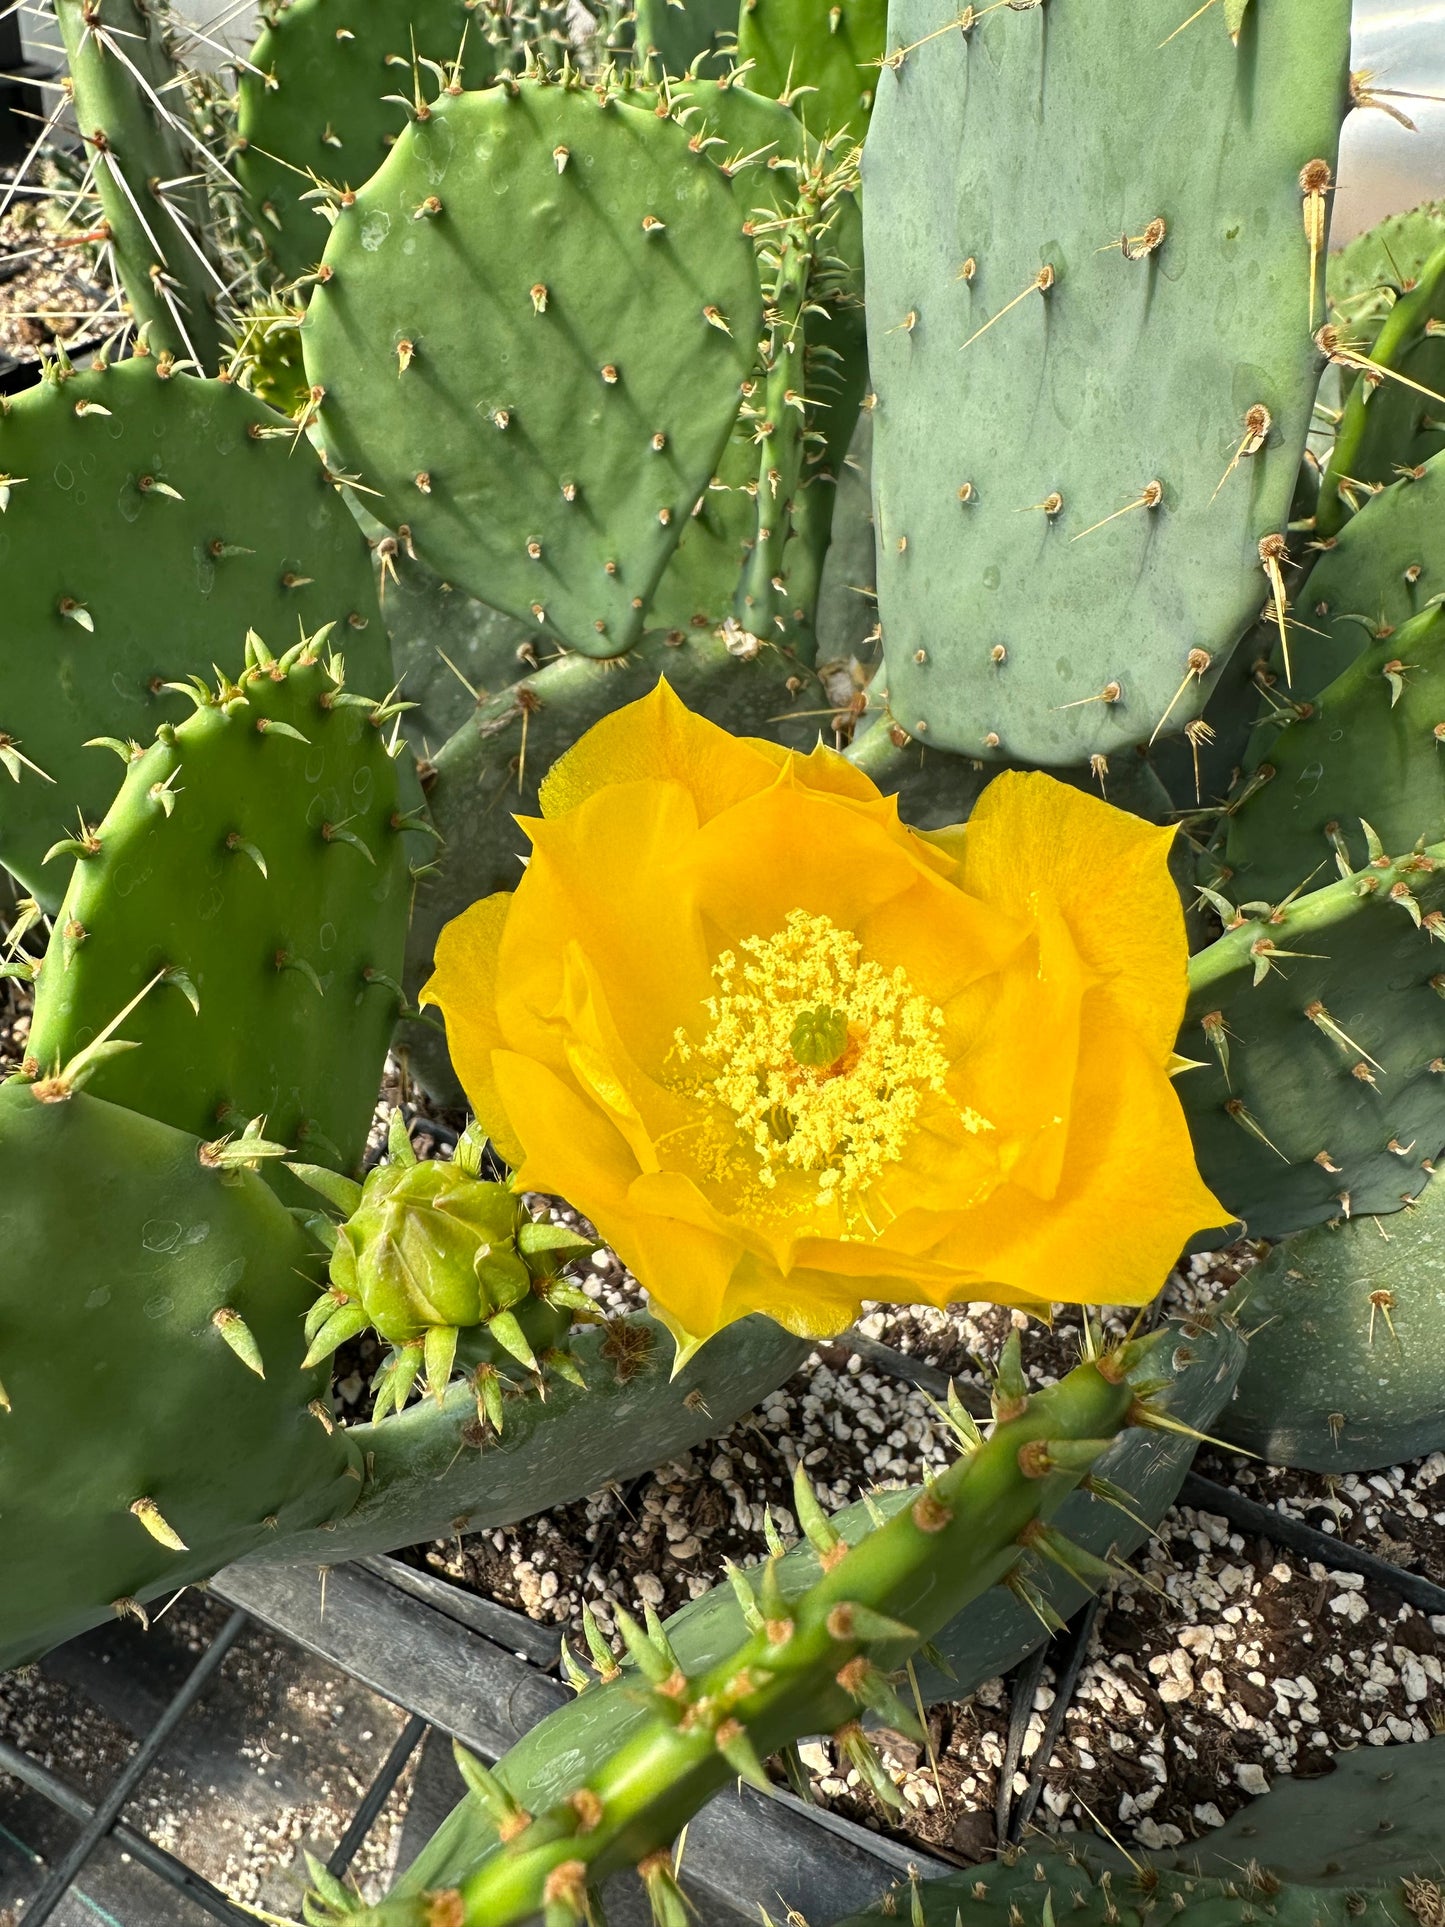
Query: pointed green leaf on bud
{"x": 850, "y": 1620}
{"x": 772, "y": 1538}
{"x": 746, "y": 1598}
{"x": 330, "y": 1889}
{"x": 576, "y": 1675}
{"x": 440, "y": 1346}
{"x": 509, "y": 1335}
{"x": 561, "y": 1361}
{"x": 344, "y": 1323}
{"x": 487, "y": 1387}
{"x": 471, "y": 1150}
{"x": 857, "y": 1749}
{"x": 657, "y": 1633}
{"x": 664, "y": 1896}
{"x": 342, "y": 1193}
{"x": 398, "y": 1140}
{"x": 1039, "y": 1457}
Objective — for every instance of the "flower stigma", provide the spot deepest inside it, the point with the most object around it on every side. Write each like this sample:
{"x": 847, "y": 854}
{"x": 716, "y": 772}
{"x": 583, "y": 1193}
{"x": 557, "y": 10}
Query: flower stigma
{"x": 822, "y": 1056}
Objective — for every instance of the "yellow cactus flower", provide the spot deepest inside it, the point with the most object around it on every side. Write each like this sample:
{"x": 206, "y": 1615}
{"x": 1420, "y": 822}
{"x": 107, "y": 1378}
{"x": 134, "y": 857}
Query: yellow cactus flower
{"x": 787, "y": 1053}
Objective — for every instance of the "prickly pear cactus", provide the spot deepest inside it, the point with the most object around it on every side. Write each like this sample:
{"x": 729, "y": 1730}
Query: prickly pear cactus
{"x": 328, "y": 87}
{"x": 1091, "y": 345}
{"x": 1386, "y": 565}
{"x": 753, "y": 553}
{"x": 537, "y": 319}
{"x": 610, "y": 1782}
{"x": 196, "y": 503}
{"x": 676, "y": 33}
{"x": 175, "y": 1431}
{"x": 1364, "y": 756}
{"x": 825, "y": 60}
{"x": 253, "y": 873}
{"x": 447, "y": 1465}
{"x": 150, "y": 167}
{"x": 1318, "y": 1026}
{"x": 1369, "y": 274}
{"x": 1346, "y": 1368}
{"x": 1376, "y": 1817}
{"x": 1393, "y": 421}
{"x": 1069, "y": 1883}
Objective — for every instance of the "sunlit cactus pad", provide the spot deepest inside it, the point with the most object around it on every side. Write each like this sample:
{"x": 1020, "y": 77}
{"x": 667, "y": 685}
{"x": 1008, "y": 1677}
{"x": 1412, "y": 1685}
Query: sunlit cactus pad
{"x": 150, "y": 520}
{"x": 1089, "y": 291}
{"x": 326, "y": 92}
{"x": 532, "y": 340}
{"x": 253, "y": 871}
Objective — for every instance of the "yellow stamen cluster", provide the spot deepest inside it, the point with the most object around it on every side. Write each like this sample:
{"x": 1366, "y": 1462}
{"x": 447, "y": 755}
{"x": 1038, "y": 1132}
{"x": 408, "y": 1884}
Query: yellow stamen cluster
{"x": 782, "y": 1003}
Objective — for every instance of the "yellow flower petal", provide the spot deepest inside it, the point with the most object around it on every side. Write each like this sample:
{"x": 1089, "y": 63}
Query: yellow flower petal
{"x": 463, "y": 985}
{"x": 1032, "y": 838}
{"x": 659, "y": 737}
{"x": 1128, "y": 1200}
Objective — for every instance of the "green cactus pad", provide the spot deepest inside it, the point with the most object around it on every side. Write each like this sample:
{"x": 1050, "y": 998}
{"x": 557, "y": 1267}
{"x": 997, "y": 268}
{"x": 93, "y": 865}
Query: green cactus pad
{"x": 326, "y": 93}
{"x": 1035, "y": 374}
{"x": 1375, "y": 1817}
{"x": 1383, "y": 567}
{"x": 1389, "y": 426}
{"x": 436, "y": 1469}
{"x": 1365, "y": 751}
{"x": 823, "y": 59}
{"x": 1320, "y": 1035}
{"x": 1071, "y": 1884}
{"x": 1346, "y": 1368}
{"x": 252, "y": 855}
{"x": 121, "y": 1248}
{"x": 1368, "y": 275}
{"x": 158, "y": 520}
{"x": 490, "y": 771}
{"x": 137, "y": 126}
{"x": 675, "y": 33}
{"x": 538, "y": 318}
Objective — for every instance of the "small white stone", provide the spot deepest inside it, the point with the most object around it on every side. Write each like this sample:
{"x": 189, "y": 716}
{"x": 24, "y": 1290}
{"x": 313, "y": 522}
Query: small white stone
{"x": 1251, "y": 1777}
{"x": 1208, "y": 1814}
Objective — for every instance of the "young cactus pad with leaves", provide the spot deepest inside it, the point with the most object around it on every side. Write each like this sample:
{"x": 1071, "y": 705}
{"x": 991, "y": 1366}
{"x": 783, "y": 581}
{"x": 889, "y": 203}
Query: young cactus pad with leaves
{"x": 1092, "y": 347}
{"x": 148, "y": 520}
{"x": 808, "y": 1663}
{"x": 250, "y": 884}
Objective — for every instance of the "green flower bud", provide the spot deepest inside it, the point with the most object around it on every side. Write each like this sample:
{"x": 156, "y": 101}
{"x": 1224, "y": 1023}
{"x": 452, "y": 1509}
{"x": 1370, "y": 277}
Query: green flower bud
{"x": 430, "y": 1245}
